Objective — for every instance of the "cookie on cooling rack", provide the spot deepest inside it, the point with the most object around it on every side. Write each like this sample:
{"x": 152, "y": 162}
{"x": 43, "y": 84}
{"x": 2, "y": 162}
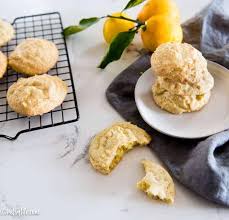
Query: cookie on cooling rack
{"x": 34, "y": 56}
{"x": 36, "y": 95}
{"x": 6, "y": 32}
{"x": 3, "y": 64}
{"x": 109, "y": 146}
{"x": 157, "y": 183}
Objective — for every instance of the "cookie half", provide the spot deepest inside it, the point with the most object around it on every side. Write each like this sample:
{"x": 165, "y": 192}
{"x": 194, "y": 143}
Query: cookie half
{"x": 6, "y": 32}
{"x": 36, "y": 95}
{"x": 108, "y": 147}
{"x": 34, "y": 56}
{"x": 157, "y": 183}
{"x": 3, "y": 64}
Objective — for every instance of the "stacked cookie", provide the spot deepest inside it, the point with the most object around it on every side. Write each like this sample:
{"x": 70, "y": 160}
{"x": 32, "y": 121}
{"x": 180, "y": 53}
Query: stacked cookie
{"x": 183, "y": 82}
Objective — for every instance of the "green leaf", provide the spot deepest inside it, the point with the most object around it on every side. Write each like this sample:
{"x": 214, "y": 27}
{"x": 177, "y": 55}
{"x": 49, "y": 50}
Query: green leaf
{"x": 133, "y": 3}
{"x": 117, "y": 46}
{"x": 87, "y": 22}
{"x": 83, "y": 24}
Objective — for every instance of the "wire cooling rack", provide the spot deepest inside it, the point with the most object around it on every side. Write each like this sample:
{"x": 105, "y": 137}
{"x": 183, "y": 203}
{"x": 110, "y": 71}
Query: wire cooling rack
{"x": 47, "y": 26}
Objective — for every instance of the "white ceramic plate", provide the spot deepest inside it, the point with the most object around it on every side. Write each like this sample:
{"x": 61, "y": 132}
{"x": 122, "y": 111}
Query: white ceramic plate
{"x": 211, "y": 119}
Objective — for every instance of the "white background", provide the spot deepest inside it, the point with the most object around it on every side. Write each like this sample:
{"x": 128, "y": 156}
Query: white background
{"x": 32, "y": 173}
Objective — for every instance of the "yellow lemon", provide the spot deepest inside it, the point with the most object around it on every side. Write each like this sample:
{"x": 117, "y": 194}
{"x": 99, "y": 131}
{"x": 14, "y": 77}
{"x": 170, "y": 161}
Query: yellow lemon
{"x": 113, "y": 26}
{"x": 161, "y": 29}
{"x": 159, "y": 7}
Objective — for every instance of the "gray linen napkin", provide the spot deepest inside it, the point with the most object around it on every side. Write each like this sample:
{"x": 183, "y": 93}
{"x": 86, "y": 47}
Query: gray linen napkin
{"x": 201, "y": 165}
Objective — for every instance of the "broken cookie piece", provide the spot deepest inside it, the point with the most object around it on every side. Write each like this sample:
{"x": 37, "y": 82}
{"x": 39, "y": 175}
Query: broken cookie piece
{"x": 157, "y": 183}
{"x": 108, "y": 147}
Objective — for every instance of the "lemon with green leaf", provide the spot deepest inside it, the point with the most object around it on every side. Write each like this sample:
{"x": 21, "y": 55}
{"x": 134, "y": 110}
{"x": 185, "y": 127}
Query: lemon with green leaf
{"x": 158, "y": 22}
{"x": 113, "y": 26}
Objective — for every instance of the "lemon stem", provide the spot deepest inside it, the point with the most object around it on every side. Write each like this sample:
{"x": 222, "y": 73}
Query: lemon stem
{"x": 127, "y": 19}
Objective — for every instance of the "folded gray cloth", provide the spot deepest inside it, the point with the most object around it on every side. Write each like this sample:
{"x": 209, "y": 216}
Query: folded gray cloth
{"x": 202, "y": 165}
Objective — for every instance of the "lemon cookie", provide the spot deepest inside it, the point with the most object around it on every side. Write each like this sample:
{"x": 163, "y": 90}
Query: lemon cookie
{"x": 180, "y": 62}
{"x": 177, "y": 104}
{"x": 6, "y": 32}
{"x": 183, "y": 83}
{"x": 157, "y": 183}
{"x": 36, "y": 95}
{"x": 33, "y": 56}
{"x": 108, "y": 147}
{"x": 3, "y": 64}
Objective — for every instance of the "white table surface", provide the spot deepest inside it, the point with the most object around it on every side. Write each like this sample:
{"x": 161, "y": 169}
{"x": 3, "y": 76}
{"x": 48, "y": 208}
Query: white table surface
{"x": 32, "y": 173}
